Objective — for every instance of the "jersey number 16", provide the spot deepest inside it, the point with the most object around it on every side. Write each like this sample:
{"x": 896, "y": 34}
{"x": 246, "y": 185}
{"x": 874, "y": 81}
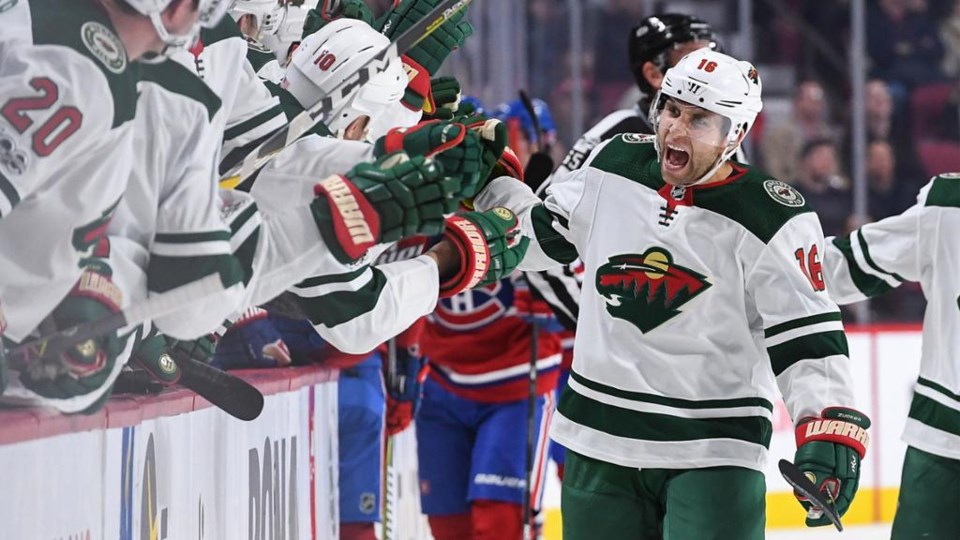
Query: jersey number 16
{"x": 810, "y": 266}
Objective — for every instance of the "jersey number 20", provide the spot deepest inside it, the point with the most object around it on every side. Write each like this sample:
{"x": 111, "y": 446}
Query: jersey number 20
{"x": 58, "y": 127}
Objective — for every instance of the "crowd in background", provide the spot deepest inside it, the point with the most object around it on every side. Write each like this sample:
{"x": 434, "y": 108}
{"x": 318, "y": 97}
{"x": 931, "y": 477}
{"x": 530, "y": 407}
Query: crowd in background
{"x": 912, "y": 94}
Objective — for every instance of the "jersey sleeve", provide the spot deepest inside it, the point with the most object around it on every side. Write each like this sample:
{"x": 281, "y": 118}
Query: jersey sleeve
{"x": 878, "y": 256}
{"x": 802, "y": 328}
{"x": 56, "y": 112}
{"x": 358, "y": 310}
{"x": 255, "y": 114}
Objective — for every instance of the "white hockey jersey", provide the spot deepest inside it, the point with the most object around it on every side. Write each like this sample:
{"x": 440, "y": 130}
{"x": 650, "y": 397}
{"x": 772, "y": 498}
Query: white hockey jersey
{"x": 919, "y": 245}
{"x": 67, "y": 99}
{"x": 697, "y": 304}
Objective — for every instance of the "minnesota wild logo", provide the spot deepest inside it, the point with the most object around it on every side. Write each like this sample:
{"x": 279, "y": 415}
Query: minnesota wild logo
{"x": 647, "y": 290}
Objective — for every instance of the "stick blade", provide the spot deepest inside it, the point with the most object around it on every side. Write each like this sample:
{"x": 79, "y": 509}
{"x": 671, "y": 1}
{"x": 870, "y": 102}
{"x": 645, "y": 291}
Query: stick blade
{"x": 805, "y": 487}
{"x": 231, "y": 394}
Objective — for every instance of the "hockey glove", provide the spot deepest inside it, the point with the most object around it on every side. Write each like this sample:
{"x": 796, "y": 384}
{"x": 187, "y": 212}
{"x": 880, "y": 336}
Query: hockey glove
{"x": 152, "y": 355}
{"x": 85, "y": 367}
{"x": 829, "y": 451}
{"x": 489, "y": 246}
{"x": 426, "y": 57}
{"x": 403, "y": 392}
{"x": 384, "y": 201}
{"x": 252, "y": 342}
{"x": 318, "y": 17}
{"x": 456, "y": 148}
{"x": 493, "y": 136}
{"x": 444, "y": 99}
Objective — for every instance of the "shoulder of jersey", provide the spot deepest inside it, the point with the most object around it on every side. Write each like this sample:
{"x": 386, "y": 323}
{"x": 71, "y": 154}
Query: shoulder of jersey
{"x": 944, "y": 191}
{"x": 258, "y": 54}
{"x": 627, "y": 155}
{"x": 84, "y": 28}
{"x": 226, "y": 29}
{"x": 178, "y": 79}
{"x": 757, "y": 201}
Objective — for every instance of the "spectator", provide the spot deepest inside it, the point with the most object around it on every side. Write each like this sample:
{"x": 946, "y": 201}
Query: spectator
{"x": 888, "y": 194}
{"x": 820, "y": 182}
{"x": 950, "y": 34}
{"x": 781, "y": 145}
{"x": 904, "y": 45}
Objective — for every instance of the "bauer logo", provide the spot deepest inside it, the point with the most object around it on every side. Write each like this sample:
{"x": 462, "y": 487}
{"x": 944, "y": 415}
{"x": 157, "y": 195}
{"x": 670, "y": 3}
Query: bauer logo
{"x": 105, "y": 46}
{"x": 272, "y": 500}
{"x": 647, "y": 290}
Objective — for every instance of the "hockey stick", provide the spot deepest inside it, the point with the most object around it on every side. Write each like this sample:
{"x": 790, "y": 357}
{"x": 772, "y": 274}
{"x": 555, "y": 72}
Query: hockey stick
{"x": 158, "y": 305}
{"x": 531, "y": 427}
{"x": 230, "y": 393}
{"x": 805, "y": 487}
{"x": 540, "y": 166}
{"x": 331, "y": 104}
{"x": 389, "y": 531}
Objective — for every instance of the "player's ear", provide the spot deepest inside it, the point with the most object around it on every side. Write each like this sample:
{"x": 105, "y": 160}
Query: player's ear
{"x": 652, "y": 74}
{"x": 180, "y": 16}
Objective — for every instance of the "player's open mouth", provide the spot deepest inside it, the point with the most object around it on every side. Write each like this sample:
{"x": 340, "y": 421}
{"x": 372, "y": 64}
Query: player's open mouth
{"x": 675, "y": 158}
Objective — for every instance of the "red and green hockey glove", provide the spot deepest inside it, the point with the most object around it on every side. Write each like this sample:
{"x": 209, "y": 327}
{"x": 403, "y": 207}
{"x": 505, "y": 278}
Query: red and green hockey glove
{"x": 320, "y": 16}
{"x": 829, "y": 451}
{"x": 85, "y": 367}
{"x": 489, "y": 246}
{"x": 444, "y": 99}
{"x": 494, "y": 137}
{"x": 384, "y": 201}
{"x": 457, "y": 148}
{"x": 426, "y": 57}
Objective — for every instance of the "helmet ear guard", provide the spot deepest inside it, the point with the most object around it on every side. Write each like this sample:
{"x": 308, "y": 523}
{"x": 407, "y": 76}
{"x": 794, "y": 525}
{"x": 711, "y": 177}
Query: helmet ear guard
{"x": 211, "y": 11}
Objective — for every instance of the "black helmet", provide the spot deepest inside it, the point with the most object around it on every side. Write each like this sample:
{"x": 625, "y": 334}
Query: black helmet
{"x": 656, "y": 35}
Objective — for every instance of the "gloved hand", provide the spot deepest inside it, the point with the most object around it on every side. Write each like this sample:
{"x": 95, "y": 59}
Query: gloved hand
{"x": 478, "y": 248}
{"x": 85, "y": 367}
{"x": 444, "y": 99}
{"x": 384, "y": 201}
{"x": 403, "y": 391}
{"x": 432, "y": 51}
{"x": 425, "y": 58}
{"x": 494, "y": 137}
{"x": 456, "y": 148}
{"x": 829, "y": 451}
{"x": 252, "y": 342}
{"x": 152, "y": 355}
{"x": 318, "y": 17}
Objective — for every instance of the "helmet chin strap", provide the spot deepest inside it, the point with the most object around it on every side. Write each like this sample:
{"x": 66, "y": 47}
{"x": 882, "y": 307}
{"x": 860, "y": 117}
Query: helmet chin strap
{"x": 731, "y": 149}
{"x": 173, "y": 42}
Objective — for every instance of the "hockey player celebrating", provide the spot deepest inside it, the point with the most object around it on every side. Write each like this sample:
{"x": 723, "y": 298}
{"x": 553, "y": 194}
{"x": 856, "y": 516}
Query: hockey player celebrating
{"x": 918, "y": 245}
{"x": 704, "y": 293}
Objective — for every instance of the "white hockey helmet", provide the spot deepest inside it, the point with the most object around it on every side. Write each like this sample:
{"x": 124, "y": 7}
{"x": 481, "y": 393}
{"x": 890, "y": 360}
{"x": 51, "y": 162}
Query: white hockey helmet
{"x": 288, "y": 33}
{"x": 718, "y": 83}
{"x": 329, "y": 56}
{"x": 269, "y": 14}
{"x": 211, "y": 11}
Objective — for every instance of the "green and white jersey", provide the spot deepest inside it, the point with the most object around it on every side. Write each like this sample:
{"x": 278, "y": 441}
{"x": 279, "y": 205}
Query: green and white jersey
{"x": 67, "y": 101}
{"x": 921, "y": 245}
{"x": 252, "y": 113}
{"x": 264, "y": 62}
{"x": 696, "y": 305}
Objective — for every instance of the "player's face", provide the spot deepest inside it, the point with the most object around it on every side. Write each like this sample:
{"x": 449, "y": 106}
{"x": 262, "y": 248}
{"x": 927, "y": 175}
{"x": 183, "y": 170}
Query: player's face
{"x": 183, "y": 18}
{"x": 691, "y": 139}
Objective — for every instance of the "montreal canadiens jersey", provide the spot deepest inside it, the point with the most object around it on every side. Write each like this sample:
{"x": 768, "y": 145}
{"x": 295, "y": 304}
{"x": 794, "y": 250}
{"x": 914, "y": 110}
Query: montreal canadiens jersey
{"x": 67, "y": 99}
{"x": 921, "y": 245}
{"x": 479, "y": 346}
{"x": 697, "y": 304}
